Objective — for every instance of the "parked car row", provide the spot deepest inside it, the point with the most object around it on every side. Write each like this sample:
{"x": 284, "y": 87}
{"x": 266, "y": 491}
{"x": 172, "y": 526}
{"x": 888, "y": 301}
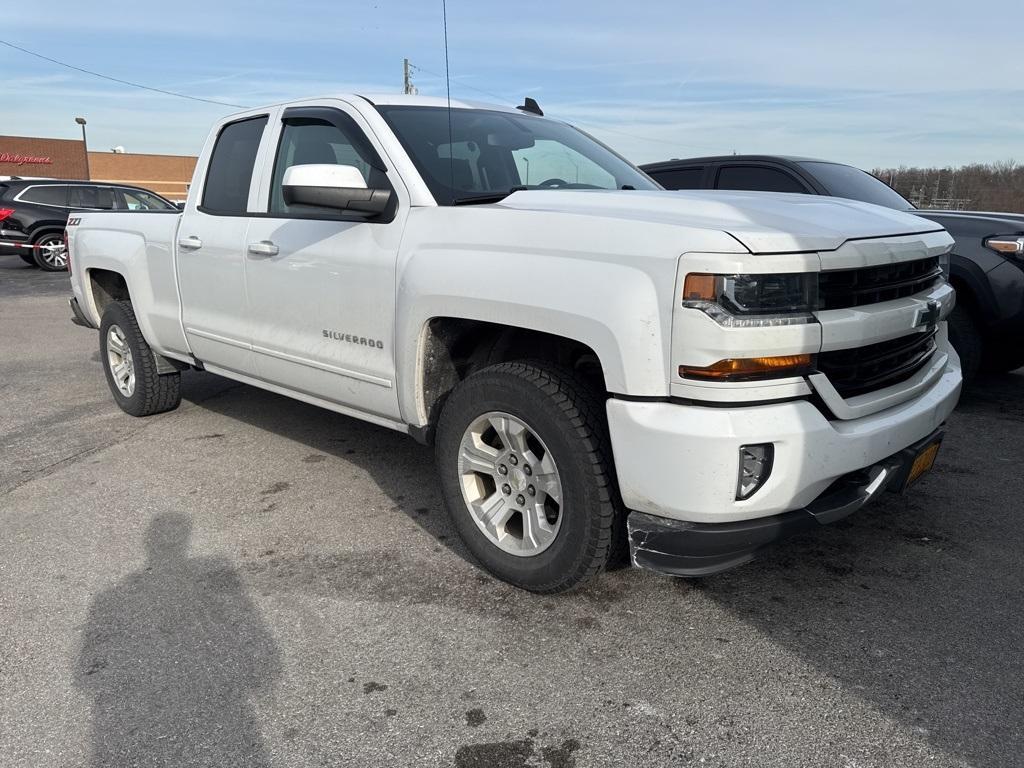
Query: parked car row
{"x": 986, "y": 265}
{"x": 34, "y": 214}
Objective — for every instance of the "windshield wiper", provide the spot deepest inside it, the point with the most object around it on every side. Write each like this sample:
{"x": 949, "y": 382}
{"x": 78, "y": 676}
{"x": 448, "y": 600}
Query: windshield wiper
{"x": 486, "y": 197}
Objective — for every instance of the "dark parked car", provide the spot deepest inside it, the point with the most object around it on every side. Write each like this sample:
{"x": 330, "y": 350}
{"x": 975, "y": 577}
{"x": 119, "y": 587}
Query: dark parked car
{"x": 34, "y": 212}
{"x": 986, "y": 266}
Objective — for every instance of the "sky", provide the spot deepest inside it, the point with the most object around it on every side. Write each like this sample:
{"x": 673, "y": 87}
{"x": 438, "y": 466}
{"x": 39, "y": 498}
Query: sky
{"x": 874, "y": 84}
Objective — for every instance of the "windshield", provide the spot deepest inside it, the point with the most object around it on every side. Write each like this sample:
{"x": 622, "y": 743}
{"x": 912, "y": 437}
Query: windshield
{"x": 854, "y": 184}
{"x": 492, "y": 153}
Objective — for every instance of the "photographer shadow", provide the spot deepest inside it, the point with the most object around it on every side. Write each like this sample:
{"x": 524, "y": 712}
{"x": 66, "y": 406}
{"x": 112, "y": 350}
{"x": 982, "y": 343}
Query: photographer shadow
{"x": 172, "y": 656}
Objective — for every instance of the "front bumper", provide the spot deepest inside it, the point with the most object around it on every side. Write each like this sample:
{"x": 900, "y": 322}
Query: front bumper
{"x": 681, "y": 461}
{"x": 684, "y": 548}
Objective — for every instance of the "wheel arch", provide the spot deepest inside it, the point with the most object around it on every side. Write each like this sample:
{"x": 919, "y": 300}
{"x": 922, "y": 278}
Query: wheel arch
{"x": 450, "y": 348}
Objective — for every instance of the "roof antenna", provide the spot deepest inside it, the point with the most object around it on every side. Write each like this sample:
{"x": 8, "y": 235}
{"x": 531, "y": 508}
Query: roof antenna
{"x": 531, "y": 106}
{"x": 448, "y": 88}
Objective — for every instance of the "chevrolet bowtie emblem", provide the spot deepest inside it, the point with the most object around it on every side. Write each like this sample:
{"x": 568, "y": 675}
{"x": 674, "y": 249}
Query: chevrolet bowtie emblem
{"x": 929, "y": 316}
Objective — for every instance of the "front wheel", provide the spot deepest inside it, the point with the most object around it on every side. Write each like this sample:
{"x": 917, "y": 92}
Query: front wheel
{"x": 130, "y": 366}
{"x": 526, "y": 470}
{"x": 50, "y": 253}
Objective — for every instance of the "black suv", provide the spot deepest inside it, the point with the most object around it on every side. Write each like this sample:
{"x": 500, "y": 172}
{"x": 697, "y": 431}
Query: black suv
{"x": 34, "y": 212}
{"x": 986, "y": 266}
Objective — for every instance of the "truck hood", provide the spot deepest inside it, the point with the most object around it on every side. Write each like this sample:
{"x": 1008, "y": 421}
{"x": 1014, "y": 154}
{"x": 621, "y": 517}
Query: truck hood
{"x": 764, "y": 222}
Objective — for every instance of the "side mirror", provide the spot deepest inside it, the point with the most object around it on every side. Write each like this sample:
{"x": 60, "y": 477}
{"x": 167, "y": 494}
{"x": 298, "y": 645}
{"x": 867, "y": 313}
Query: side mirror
{"x": 340, "y": 187}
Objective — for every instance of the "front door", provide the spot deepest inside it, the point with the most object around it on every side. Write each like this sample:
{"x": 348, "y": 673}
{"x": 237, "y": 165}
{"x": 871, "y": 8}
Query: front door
{"x": 211, "y": 252}
{"x": 321, "y": 283}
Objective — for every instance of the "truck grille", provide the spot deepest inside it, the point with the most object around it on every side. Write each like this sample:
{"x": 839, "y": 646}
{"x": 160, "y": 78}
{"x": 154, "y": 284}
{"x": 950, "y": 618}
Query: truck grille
{"x": 844, "y": 288}
{"x": 864, "y": 369}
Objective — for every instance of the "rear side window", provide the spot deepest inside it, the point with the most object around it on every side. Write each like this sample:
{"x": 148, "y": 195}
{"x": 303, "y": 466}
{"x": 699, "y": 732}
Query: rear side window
{"x": 54, "y": 194}
{"x": 230, "y": 172}
{"x": 97, "y": 198}
{"x": 758, "y": 178}
{"x": 680, "y": 178}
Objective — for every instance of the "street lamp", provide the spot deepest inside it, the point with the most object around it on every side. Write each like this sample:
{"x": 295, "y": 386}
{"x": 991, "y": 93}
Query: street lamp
{"x": 527, "y": 161}
{"x": 85, "y": 145}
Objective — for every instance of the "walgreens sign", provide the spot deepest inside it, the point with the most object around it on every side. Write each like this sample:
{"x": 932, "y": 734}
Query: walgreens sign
{"x": 8, "y": 157}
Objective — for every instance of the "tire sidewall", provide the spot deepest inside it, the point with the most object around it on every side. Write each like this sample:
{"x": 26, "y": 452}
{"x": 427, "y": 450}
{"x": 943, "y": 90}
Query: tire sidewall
{"x": 117, "y": 315}
{"x": 578, "y": 530}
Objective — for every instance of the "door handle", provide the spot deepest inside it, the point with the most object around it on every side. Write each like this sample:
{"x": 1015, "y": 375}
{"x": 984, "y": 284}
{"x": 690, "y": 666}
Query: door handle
{"x": 263, "y": 248}
{"x": 190, "y": 243}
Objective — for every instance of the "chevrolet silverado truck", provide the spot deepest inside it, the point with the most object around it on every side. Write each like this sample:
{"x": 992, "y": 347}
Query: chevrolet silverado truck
{"x": 986, "y": 265}
{"x": 598, "y": 363}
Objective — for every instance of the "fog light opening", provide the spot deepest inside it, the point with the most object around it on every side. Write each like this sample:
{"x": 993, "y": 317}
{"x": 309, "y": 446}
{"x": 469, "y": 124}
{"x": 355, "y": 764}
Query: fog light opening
{"x": 755, "y": 467}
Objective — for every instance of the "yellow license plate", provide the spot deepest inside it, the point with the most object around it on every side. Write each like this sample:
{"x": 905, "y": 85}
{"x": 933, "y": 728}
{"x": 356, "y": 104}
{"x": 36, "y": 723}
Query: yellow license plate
{"x": 924, "y": 461}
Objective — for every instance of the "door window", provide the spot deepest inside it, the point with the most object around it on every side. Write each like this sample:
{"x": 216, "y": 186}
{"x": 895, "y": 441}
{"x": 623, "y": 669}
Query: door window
{"x": 97, "y": 198}
{"x": 139, "y": 200}
{"x": 758, "y": 178}
{"x": 679, "y": 178}
{"x": 309, "y": 141}
{"x": 230, "y": 172}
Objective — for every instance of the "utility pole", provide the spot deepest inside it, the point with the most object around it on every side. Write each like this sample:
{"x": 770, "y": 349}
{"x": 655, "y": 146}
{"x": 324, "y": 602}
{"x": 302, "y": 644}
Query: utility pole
{"x": 408, "y": 88}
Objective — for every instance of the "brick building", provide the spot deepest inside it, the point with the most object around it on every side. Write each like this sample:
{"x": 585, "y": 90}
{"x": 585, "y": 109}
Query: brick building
{"x": 167, "y": 175}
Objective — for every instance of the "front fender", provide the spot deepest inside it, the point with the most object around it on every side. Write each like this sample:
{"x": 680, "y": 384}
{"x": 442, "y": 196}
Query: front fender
{"x": 614, "y": 309}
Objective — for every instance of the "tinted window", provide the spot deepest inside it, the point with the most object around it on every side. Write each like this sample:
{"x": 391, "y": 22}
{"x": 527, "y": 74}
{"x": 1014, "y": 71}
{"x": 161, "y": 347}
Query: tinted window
{"x": 312, "y": 142}
{"x": 855, "y": 184}
{"x": 138, "y": 200}
{"x": 759, "y": 178}
{"x": 98, "y": 198}
{"x": 230, "y": 171}
{"x": 488, "y": 152}
{"x": 681, "y": 178}
{"x": 48, "y": 195}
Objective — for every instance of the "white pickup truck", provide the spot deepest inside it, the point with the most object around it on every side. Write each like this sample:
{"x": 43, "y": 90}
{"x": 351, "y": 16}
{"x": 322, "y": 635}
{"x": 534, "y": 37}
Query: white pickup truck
{"x": 598, "y": 363}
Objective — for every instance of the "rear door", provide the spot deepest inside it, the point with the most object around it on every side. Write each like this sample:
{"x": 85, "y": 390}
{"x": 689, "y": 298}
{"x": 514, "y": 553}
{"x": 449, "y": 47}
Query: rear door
{"x": 321, "y": 283}
{"x": 210, "y": 248}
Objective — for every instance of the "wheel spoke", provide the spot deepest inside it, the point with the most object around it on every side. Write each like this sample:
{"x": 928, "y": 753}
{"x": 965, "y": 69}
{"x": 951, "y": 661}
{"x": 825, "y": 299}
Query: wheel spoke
{"x": 477, "y": 457}
{"x": 493, "y": 512}
{"x": 536, "y": 528}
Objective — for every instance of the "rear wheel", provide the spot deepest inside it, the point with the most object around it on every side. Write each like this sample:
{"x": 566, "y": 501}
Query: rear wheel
{"x": 50, "y": 253}
{"x": 130, "y": 366}
{"x": 526, "y": 470}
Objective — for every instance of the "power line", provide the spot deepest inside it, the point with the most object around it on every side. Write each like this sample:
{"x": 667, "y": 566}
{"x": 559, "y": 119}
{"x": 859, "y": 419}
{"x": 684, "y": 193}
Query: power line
{"x": 116, "y": 79}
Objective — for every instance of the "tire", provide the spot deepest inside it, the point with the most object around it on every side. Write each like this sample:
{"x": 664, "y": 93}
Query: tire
{"x": 566, "y": 439}
{"x": 149, "y": 392}
{"x": 28, "y": 258}
{"x": 49, "y": 252}
{"x": 965, "y": 336}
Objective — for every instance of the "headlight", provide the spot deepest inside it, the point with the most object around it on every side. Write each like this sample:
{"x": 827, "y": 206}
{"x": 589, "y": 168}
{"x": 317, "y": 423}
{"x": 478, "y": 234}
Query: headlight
{"x": 753, "y": 301}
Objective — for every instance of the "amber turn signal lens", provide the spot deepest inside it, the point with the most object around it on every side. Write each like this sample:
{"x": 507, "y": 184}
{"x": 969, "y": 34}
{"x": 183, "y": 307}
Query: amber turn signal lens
{"x": 1006, "y": 244}
{"x": 747, "y": 368}
{"x": 699, "y": 287}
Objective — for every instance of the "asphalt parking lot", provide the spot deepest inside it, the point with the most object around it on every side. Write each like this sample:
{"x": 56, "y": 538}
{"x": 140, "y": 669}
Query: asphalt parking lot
{"x": 250, "y": 581}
